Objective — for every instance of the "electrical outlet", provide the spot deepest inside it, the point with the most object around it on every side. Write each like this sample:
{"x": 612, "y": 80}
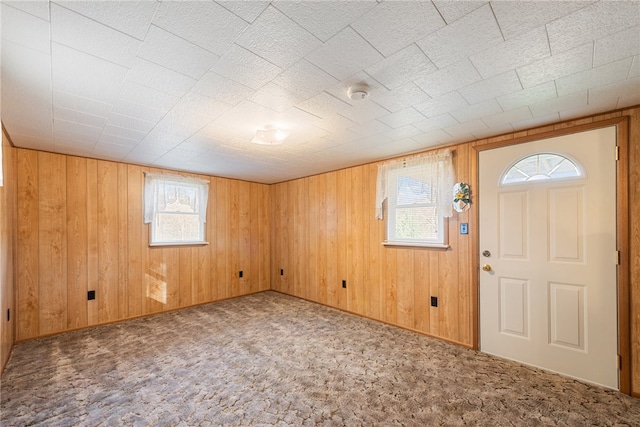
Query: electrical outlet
{"x": 434, "y": 301}
{"x": 240, "y": 274}
{"x": 8, "y": 314}
{"x": 344, "y": 284}
{"x": 282, "y": 271}
{"x": 91, "y": 295}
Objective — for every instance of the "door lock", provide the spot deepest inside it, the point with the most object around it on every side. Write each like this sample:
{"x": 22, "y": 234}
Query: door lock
{"x": 486, "y": 253}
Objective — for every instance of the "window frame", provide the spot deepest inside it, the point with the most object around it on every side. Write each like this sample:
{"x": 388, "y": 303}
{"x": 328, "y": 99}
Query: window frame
{"x": 442, "y": 241}
{"x": 153, "y": 211}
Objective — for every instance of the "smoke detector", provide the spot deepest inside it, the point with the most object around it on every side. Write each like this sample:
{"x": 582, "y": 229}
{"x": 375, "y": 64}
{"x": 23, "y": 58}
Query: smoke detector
{"x": 358, "y": 92}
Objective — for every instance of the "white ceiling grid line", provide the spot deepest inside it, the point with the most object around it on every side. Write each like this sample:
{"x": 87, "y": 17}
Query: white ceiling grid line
{"x": 185, "y": 85}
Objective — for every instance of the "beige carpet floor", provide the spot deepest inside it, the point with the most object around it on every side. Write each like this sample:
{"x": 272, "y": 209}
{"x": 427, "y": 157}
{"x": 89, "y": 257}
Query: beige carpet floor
{"x": 269, "y": 359}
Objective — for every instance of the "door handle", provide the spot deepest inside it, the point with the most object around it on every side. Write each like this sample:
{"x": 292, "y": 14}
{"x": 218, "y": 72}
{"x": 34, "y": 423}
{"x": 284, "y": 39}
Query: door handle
{"x": 486, "y": 267}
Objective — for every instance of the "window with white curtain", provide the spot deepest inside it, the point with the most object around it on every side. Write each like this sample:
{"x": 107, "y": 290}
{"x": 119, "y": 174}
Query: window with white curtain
{"x": 417, "y": 193}
{"x": 176, "y": 208}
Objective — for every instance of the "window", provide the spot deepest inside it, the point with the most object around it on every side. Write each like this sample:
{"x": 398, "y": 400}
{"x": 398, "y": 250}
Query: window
{"x": 538, "y": 167}
{"x": 416, "y": 191}
{"x": 176, "y": 208}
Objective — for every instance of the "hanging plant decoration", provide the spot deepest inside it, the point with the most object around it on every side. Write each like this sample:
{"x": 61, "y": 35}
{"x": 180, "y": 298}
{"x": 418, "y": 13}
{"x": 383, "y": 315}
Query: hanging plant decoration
{"x": 461, "y": 197}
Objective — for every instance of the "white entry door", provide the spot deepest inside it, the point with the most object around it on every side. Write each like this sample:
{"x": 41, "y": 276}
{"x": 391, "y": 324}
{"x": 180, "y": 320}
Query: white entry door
{"x": 548, "y": 284}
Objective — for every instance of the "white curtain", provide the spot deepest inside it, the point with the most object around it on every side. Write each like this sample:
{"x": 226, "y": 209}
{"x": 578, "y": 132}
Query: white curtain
{"x": 433, "y": 169}
{"x": 155, "y": 188}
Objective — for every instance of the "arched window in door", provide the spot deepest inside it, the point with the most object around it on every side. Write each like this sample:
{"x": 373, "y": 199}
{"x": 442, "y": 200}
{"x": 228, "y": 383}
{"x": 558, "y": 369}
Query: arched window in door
{"x": 541, "y": 166}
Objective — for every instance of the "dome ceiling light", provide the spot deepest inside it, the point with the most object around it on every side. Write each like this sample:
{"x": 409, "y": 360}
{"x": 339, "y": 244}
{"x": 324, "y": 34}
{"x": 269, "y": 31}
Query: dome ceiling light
{"x": 269, "y": 136}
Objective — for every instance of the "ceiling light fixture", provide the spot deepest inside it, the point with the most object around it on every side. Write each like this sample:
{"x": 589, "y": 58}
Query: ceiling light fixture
{"x": 358, "y": 92}
{"x": 269, "y": 136}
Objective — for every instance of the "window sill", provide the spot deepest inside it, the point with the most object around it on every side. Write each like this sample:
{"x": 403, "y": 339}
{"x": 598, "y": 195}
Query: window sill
{"x": 417, "y": 245}
{"x": 163, "y": 244}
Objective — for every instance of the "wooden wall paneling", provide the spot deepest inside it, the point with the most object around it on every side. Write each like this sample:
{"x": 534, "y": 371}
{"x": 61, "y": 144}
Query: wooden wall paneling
{"x": 449, "y": 287}
{"x": 135, "y": 241}
{"x": 405, "y": 287}
{"x": 390, "y": 284}
{"x": 220, "y": 276}
{"x": 244, "y": 241}
{"x": 52, "y": 278}
{"x": 342, "y": 184}
{"x": 265, "y": 218}
{"x": 634, "y": 246}
{"x": 234, "y": 238}
{"x": 313, "y": 209}
{"x": 301, "y": 239}
{"x": 253, "y": 237}
{"x": 289, "y": 229}
{"x": 8, "y": 242}
{"x": 434, "y": 291}
{"x": 355, "y": 234}
{"x": 374, "y": 246}
{"x": 201, "y": 257}
{"x": 322, "y": 236}
{"x": 123, "y": 251}
{"x": 28, "y": 300}
{"x": 279, "y": 239}
{"x": 185, "y": 277}
{"x": 464, "y": 248}
{"x": 332, "y": 286}
{"x": 93, "y": 306}
{"x": 77, "y": 248}
{"x": 171, "y": 265}
{"x": 421, "y": 297}
{"x": 108, "y": 241}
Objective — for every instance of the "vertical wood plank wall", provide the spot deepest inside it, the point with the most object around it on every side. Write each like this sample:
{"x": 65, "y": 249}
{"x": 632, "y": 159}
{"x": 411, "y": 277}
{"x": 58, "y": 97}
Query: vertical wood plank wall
{"x": 7, "y": 251}
{"x": 80, "y": 228}
{"x": 324, "y": 232}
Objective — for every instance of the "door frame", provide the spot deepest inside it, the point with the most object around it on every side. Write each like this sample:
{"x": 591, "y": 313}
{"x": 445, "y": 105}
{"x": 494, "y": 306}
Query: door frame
{"x": 622, "y": 233}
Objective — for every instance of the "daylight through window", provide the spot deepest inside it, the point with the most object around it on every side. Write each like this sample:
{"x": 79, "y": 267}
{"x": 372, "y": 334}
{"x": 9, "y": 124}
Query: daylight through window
{"x": 416, "y": 191}
{"x": 176, "y": 208}
{"x": 542, "y": 166}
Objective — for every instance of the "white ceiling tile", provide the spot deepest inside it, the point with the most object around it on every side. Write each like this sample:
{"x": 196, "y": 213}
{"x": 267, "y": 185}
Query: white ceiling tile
{"x": 161, "y": 79}
{"x": 449, "y": 79}
{"x": 407, "y": 131}
{"x": 129, "y": 122}
{"x": 295, "y": 117}
{"x": 437, "y": 122}
{"x": 322, "y": 21}
{"x": 175, "y": 53}
{"x": 32, "y": 142}
{"x": 248, "y": 10}
{"x": 588, "y": 110}
{"x": 323, "y": 105}
{"x": 304, "y": 79}
{"x": 370, "y": 128}
{"x": 83, "y": 34}
{"x": 245, "y": 67}
{"x": 556, "y": 66}
{"x": 536, "y": 121}
{"x": 442, "y": 104}
{"x": 78, "y": 103}
{"x": 117, "y": 140}
{"x": 78, "y": 117}
{"x": 466, "y": 130}
{"x": 37, "y": 8}
{"x": 528, "y": 96}
{"x": 566, "y": 102}
{"x": 203, "y": 23}
{"x": 600, "y": 76}
{"x": 485, "y": 133}
{"x": 593, "y": 22}
{"x": 108, "y": 151}
{"x": 433, "y": 138}
{"x": 364, "y": 111}
{"x": 344, "y": 54}
{"x": 476, "y": 111}
{"x": 276, "y": 38}
{"x": 73, "y": 147}
{"x": 452, "y": 10}
{"x": 401, "y": 97}
{"x": 518, "y": 17}
{"x": 335, "y": 122}
{"x": 611, "y": 93}
{"x": 121, "y": 132}
{"x": 513, "y": 53}
{"x": 635, "y": 67}
{"x": 470, "y": 34}
{"x": 402, "y": 67}
{"x": 402, "y": 118}
{"x": 24, "y": 29}
{"x": 245, "y": 118}
{"x": 511, "y": 116}
{"x": 492, "y": 87}
{"x": 85, "y": 75}
{"x": 147, "y": 96}
{"x": 130, "y": 17}
{"x": 221, "y": 88}
{"x": 26, "y": 74}
{"x": 138, "y": 111}
{"x": 274, "y": 97}
{"x": 617, "y": 46}
{"x": 89, "y": 132}
{"x": 391, "y": 26}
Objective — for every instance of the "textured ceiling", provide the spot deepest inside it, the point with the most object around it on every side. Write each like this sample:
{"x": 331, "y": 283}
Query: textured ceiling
{"x": 185, "y": 85}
